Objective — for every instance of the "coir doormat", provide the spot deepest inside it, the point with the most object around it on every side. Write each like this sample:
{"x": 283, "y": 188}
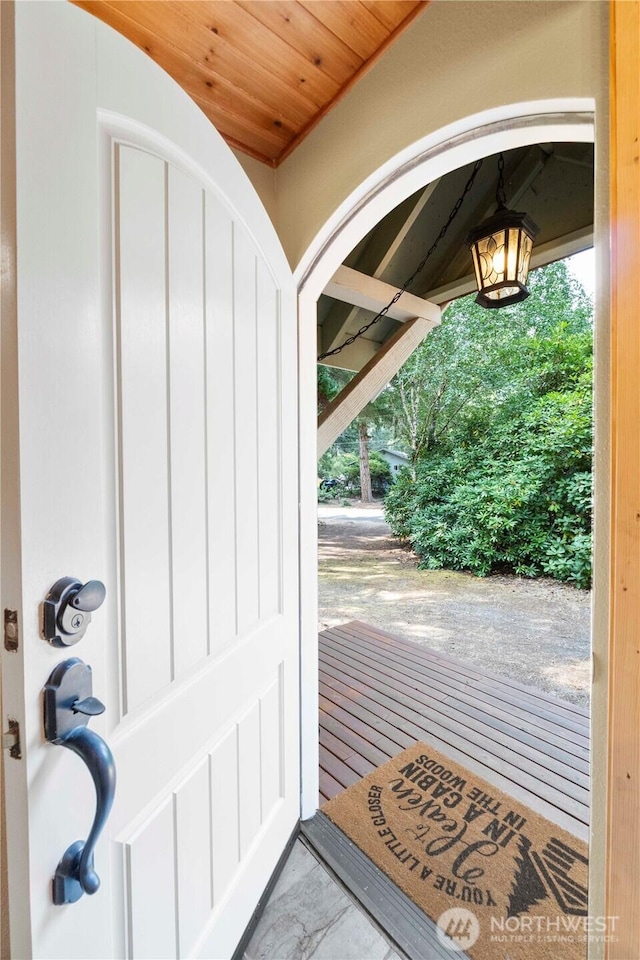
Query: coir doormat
{"x": 499, "y": 880}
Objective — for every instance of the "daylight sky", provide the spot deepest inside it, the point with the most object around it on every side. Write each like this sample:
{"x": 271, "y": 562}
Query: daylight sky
{"x": 583, "y": 267}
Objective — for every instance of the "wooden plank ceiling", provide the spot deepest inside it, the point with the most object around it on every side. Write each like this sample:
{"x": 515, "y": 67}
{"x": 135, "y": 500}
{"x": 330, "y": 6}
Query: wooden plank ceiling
{"x": 263, "y": 71}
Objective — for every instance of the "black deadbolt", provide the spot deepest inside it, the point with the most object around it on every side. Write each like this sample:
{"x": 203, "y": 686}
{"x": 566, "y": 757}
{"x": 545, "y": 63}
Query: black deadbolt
{"x": 68, "y": 608}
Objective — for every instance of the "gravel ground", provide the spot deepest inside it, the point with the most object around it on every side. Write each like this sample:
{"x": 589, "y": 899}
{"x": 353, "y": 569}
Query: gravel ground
{"x": 535, "y": 631}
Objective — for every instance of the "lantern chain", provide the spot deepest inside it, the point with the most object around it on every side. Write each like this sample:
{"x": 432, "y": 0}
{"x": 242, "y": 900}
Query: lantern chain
{"x": 501, "y": 197}
{"x": 454, "y": 212}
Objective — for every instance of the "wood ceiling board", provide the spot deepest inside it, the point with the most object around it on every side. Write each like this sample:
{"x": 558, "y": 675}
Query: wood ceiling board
{"x": 245, "y": 69}
{"x": 366, "y": 66}
{"x": 264, "y": 73}
{"x": 215, "y": 32}
{"x": 229, "y": 21}
{"x": 299, "y": 28}
{"x": 351, "y": 22}
{"x": 256, "y": 116}
{"x": 234, "y": 131}
{"x": 390, "y": 14}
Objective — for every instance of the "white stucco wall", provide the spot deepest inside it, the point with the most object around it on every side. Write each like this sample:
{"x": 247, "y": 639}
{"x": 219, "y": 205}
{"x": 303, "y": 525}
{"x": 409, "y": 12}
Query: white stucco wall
{"x": 263, "y": 179}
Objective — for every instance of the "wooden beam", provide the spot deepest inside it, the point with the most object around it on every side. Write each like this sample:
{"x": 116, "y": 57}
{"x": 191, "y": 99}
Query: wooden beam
{"x": 623, "y": 764}
{"x": 400, "y": 236}
{"x": 367, "y": 384}
{"x": 351, "y": 286}
{"x": 352, "y": 357}
{"x": 335, "y": 329}
{"x": 355, "y": 355}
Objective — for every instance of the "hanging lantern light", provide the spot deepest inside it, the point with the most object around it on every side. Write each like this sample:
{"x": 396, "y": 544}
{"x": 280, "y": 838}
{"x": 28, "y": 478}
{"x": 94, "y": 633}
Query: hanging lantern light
{"x": 501, "y": 250}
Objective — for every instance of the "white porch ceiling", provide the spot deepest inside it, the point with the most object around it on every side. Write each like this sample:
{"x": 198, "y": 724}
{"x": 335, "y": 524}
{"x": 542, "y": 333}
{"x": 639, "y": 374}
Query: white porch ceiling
{"x": 553, "y": 182}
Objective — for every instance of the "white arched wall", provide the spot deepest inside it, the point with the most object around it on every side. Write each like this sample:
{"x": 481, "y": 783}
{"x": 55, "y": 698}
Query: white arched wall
{"x": 435, "y": 155}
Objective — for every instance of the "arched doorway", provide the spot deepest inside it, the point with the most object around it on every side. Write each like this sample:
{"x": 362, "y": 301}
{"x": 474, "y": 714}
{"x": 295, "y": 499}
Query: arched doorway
{"x": 437, "y": 155}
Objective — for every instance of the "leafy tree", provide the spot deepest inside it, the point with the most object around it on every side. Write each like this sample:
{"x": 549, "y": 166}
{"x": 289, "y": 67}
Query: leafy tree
{"x": 331, "y": 380}
{"x": 477, "y": 358}
{"x": 501, "y": 439}
{"x": 347, "y": 465}
{"x": 378, "y": 412}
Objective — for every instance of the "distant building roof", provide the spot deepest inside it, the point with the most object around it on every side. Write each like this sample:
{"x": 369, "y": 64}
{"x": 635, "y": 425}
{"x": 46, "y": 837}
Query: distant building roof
{"x": 395, "y": 453}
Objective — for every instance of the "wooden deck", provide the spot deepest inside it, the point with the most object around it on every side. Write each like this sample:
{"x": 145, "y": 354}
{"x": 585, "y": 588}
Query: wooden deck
{"x": 379, "y": 694}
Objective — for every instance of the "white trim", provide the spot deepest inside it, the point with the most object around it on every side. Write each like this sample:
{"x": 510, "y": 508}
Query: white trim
{"x": 454, "y": 146}
{"x": 362, "y": 290}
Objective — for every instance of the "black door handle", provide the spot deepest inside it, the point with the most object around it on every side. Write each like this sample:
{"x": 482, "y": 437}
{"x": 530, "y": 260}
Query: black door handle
{"x": 68, "y": 706}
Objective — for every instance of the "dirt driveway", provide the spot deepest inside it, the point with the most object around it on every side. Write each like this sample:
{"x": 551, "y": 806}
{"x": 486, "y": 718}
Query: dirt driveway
{"x": 536, "y": 631}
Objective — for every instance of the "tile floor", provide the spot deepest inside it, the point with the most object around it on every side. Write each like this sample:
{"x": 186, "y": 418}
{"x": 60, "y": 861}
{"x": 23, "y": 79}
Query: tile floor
{"x": 309, "y": 915}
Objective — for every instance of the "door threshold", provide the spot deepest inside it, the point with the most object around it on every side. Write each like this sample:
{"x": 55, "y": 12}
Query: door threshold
{"x": 411, "y": 930}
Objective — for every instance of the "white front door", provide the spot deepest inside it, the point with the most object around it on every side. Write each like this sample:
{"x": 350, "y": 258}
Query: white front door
{"x": 150, "y": 397}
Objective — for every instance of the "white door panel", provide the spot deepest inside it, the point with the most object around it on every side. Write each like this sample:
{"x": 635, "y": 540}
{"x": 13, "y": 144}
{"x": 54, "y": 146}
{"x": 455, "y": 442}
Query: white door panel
{"x": 156, "y": 335}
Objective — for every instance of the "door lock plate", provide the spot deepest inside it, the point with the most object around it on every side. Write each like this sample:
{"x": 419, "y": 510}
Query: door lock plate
{"x": 11, "y": 739}
{"x": 11, "y": 631}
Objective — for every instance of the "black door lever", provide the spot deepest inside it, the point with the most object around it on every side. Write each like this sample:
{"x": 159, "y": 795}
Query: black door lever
{"x": 90, "y": 707}
{"x": 68, "y": 706}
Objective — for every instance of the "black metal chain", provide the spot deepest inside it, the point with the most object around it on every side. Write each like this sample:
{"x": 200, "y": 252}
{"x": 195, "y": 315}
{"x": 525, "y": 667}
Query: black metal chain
{"x": 419, "y": 268}
{"x": 501, "y": 197}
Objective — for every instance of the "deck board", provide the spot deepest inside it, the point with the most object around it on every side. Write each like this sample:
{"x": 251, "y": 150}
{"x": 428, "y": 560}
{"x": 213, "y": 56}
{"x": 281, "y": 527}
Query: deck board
{"x": 358, "y": 629}
{"x": 455, "y": 720}
{"x": 385, "y": 678}
{"x": 548, "y": 714}
{"x": 379, "y": 694}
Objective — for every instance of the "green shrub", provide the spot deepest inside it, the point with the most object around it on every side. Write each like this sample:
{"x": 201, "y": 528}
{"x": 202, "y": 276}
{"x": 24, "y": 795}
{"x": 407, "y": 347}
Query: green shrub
{"x": 517, "y": 498}
{"x": 496, "y": 409}
{"x": 327, "y": 496}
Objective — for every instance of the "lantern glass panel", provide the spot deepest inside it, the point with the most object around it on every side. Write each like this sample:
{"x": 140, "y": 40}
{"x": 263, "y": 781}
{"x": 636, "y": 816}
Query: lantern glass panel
{"x": 525, "y": 257}
{"x": 476, "y": 266}
{"x": 502, "y": 293}
{"x": 501, "y": 250}
{"x": 491, "y": 256}
{"x": 512, "y": 255}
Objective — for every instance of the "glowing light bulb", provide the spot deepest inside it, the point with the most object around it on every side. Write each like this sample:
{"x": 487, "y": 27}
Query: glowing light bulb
{"x": 498, "y": 261}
